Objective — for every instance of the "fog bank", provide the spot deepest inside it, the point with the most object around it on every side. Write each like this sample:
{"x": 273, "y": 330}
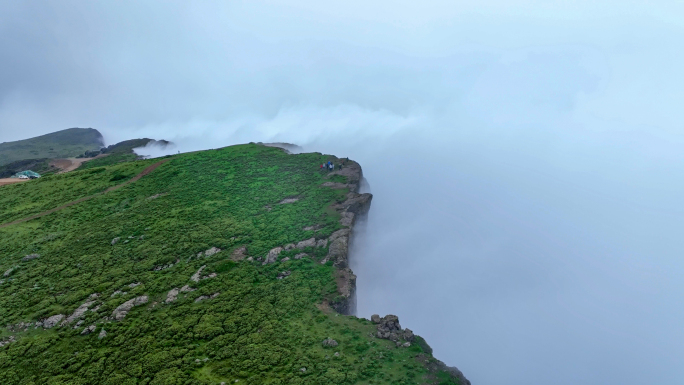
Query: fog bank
{"x": 525, "y": 157}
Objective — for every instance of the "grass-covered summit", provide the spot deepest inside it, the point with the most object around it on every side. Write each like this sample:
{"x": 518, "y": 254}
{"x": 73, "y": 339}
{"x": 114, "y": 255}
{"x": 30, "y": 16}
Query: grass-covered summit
{"x": 221, "y": 266}
{"x": 61, "y": 144}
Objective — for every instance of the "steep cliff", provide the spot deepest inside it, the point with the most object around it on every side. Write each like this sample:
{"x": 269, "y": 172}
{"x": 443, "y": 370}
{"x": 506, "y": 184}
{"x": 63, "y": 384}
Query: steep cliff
{"x": 216, "y": 266}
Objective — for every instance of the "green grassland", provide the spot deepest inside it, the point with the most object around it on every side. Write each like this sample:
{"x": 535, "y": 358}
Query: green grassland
{"x": 61, "y": 144}
{"x": 258, "y": 329}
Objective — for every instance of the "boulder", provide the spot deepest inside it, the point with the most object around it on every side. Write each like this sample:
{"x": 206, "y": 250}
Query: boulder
{"x": 88, "y": 330}
{"x": 115, "y": 240}
{"x": 408, "y": 335}
{"x": 300, "y": 256}
{"x": 102, "y": 334}
{"x": 329, "y": 342}
{"x": 375, "y": 318}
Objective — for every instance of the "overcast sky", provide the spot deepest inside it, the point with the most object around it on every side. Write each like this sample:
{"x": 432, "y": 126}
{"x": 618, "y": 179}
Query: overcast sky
{"x": 525, "y": 156}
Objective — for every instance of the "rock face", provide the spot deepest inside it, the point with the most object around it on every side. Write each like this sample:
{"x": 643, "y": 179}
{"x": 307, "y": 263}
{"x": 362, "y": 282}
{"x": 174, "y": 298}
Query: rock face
{"x": 355, "y": 206}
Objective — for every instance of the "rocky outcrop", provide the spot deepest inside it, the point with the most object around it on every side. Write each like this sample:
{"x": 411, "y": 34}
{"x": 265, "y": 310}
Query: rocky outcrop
{"x": 272, "y": 255}
{"x": 81, "y": 310}
{"x": 53, "y": 321}
{"x": 120, "y": 312}
{"x": 196, "y": 277}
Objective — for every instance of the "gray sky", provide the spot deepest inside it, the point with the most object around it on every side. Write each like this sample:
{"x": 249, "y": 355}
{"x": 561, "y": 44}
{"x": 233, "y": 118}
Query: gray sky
{"x": 525, "y": 156}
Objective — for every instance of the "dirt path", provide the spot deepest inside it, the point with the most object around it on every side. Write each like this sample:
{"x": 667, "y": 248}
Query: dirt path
{"x": 113, "y": 188}
{"x": 4, "y": 181}
{"x": 71, "y": 164}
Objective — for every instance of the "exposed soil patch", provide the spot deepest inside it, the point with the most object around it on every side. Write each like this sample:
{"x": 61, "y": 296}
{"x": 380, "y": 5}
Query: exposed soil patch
{"x": 71, "y": 164}
{"x": 5, "y": 181}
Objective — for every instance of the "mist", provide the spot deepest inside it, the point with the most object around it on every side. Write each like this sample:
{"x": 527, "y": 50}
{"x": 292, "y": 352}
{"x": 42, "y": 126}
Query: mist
{"x": 524, "y": 156}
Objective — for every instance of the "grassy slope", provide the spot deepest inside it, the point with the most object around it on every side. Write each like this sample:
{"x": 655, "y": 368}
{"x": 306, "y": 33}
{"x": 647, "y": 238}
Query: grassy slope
{"x": 118, "y": 153}
{"x": 259, "y": 329}
{"x": 61, "y": 144}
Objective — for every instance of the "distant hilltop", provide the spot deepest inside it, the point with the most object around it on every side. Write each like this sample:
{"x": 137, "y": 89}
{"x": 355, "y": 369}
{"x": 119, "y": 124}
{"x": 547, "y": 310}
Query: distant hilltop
{"x": 67, "y": 150}
{"x": 61, "y": 144}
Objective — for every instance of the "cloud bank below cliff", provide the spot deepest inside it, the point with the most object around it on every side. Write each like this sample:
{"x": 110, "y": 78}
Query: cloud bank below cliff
{"x": 525, "y": 156}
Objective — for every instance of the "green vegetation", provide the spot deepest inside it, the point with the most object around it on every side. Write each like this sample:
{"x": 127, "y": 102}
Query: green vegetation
{"x": 249, "y": 325}
{"x": 61, "y": 144}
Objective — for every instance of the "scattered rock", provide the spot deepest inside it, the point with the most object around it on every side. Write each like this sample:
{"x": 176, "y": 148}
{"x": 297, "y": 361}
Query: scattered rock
{"x": 284, "y": 274}
{"x": 406, "y": 344}
{"x": 53, "y": 321}
{"x": 375, "y": 318}
{"x": 171, "y": 295}
{"x": 288, "y": 200}
{"x": 186, "y": 289}
{"x": 88, "y": 330}
{"x": 196, "y": 277}
{"x": 120, "y": 312}
{"x": 115, "y": 240}
{"x": 311, "y": 242}
{"x": 322, "y": 243}
{"x": 8, "y": 272}
{"x": 135, "y": 284}
{"x": 211, "y": 251}
{"x": 337, "y": 354}
{"x": 289, "y": 246}
{"x": 8, "y": 341}
{"x": 250, "y": 259}
{"x": 273, "y": 255}
{"x": 203, "y": 297}
{"x": 285, "y": 259}
{"x": 212, "y": 275}
{"x": 102, "y": 334}
{"x": 30, "y": 257}
{"x": 408, "y": 335}
{"x": 155, "y": 196}
{"x": 300, "y": 256}
{"x": 118, "y": 292}
{"x": 329, "y": 342}
{"x": 303, "y": 370}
